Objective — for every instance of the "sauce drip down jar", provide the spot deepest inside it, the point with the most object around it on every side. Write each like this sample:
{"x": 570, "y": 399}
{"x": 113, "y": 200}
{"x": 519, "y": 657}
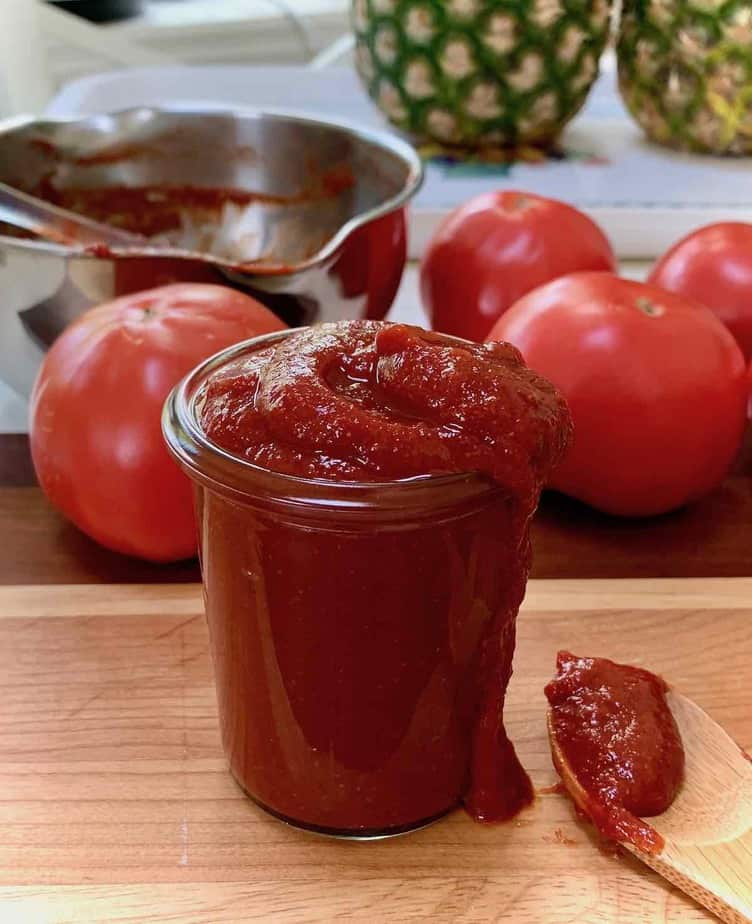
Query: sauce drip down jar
{"x": 361, "y": 633}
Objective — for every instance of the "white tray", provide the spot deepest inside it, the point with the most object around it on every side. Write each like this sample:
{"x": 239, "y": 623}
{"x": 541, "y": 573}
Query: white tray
{"x": 645, "y": 197}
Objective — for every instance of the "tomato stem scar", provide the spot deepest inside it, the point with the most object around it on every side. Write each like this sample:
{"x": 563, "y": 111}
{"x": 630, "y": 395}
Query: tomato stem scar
{"x": 646, "y": 306}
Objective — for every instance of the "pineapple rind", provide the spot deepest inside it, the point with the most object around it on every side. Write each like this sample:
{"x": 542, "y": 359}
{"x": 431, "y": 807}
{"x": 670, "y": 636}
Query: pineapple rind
{"x": 480, "y": 72}
{"x": 685, "y": 72}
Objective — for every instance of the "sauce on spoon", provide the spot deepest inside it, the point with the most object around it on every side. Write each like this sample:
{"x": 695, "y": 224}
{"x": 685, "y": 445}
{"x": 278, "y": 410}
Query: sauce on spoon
{"x": 612, "y": 727}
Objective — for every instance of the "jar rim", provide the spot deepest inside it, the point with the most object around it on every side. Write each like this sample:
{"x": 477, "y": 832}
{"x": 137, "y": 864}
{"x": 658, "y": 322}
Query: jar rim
{"x": 208, "y": 461}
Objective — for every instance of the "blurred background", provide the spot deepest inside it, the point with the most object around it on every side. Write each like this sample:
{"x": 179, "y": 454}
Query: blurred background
{"x": 602, "y": 135}
{"x": 82, "y": 37}
{"x": 629, "y": 115}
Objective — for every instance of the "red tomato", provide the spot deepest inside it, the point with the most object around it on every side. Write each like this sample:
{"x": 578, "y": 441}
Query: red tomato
{"x": 713, "y": 266}
{"x": 495, "y": 249}
{"x": 656, "y": 385}
{"x": 96, "y": 406}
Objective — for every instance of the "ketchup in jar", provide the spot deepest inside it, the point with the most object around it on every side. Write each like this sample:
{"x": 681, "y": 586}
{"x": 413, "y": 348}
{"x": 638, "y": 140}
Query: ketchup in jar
{"x": 364, "y": 492}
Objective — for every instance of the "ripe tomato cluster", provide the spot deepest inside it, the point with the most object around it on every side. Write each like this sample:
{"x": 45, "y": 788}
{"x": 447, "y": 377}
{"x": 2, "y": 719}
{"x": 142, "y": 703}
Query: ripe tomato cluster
{"x": 654, "y": 372}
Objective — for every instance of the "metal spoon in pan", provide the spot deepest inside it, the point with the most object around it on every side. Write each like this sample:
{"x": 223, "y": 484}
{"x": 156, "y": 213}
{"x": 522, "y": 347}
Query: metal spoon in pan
{"x": 297, "y": 239}
{"x": 59, "y": 225}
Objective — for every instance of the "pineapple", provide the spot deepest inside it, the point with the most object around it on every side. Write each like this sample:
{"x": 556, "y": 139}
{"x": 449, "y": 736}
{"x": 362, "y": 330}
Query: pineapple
{"x": 685, "y": 72}
{"x": 479, "y": 73}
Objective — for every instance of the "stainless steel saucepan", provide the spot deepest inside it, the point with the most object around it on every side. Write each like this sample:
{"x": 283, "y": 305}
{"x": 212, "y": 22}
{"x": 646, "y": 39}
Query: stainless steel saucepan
{"x": 326, "y": 256}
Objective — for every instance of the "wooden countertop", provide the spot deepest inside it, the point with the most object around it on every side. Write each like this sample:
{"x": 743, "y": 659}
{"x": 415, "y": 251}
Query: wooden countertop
{"x": 709, "y": 539}
{"x": 117, "y": 803}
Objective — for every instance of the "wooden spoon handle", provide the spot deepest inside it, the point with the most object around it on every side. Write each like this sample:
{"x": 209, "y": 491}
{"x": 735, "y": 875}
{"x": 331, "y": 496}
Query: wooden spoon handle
{"x": 717, "y": 877}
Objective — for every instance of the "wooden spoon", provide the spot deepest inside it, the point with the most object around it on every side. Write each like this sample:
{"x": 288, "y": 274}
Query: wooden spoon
{"x": 708, "y": 828}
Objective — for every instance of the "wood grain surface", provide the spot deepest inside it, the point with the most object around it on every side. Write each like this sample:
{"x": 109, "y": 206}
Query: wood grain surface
{"x": 708, "y": 538}
{"x": 116, "y": 804}
{"x": 707, "y": 830}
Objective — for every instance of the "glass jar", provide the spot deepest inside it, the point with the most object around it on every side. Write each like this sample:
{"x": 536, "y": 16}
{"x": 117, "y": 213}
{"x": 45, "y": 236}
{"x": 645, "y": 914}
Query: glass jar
{"x": 361, "y": 634}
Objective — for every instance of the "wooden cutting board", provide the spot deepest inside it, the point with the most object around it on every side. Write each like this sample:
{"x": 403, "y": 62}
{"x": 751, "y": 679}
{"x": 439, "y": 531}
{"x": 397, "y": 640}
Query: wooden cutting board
{"x": 116, "y": 805}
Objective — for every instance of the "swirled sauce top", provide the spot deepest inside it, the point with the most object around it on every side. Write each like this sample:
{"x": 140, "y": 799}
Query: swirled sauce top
{"x": 372, "y": 401}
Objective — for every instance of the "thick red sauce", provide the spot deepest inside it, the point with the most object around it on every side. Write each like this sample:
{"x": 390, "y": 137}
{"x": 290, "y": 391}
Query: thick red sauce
{"x": 618, "y": 736}
{"x": 361, "y": 668}
{"x": 151, "y": 210}
{"x": 168, "y": 213}
{"x": 370, "y": 401}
